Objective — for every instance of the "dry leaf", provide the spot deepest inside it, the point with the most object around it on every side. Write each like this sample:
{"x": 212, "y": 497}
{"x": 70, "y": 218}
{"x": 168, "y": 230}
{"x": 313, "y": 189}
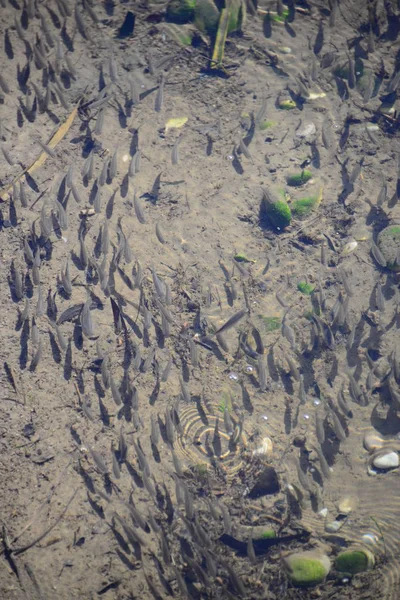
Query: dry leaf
{"x": 57, "y": 137}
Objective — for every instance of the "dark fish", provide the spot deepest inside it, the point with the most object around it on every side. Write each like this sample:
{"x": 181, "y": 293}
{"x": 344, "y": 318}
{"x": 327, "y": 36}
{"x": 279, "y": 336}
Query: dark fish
{"x": 24, "y": 315}
{"x": 160, "y": 94}
{"x": 194, "y": 352}
{"x": 337, "y": 426}
{"x": 66, "y": 279}
{"x": 346, "y": 282}
{"x": 394, "y": 82}
{"x": 245, "y": 151}
{"x": 382, "y": 195}
{"x": 113, "y": 165}
{"x": 174, "y": 153}
{"x": 159, "y": 286}
{"x": 99, "y": 122}
{"x": 333, "y": 13}
{"x": 352, "y": 73}
{"x": 87, "y": 170}
{"x": 319, "y": 426}
{"x": 295, "y": 373}
{"x": 149, "y": 485}
{"x": 75, "y": 193}
{"x": 380, "y": 299}
{"x": 113, "y": 69}
{"x": 104, "y": 172}
{"x": 154, "y": 431}
{"x": 326, "y": 471}
{"x": 355, "y": 390}
{"x": 159, "y": 234}
{"x": 22, "y": 195}
{"x": 167, "y": 370}
{"x": 35, "y": 338}
{"x": 61, "y": 215}
{"x": 232, "y": 321}
{"x": 86, "y": 319}
{"x": 302, "y": 391}
{"x": 350, "y": 339}
{"x": 47, "y": 149}
{"x": 169, "y": 427}
{"x": 250, "y": 551}
{"x": 288, "y": 333}
{"x": 189, "y": 506}
{"x": 40, "y": 306}
{"x": 8, "y": 156}
{"x": 222, "y": 342}
{"x": 377, "y": 254}
{"x": 134, "y": 90}
{"x": 262, "y": 373}
{"x": 36, "y": 357}
{"x": 138, "y": 210}
{"x": 18, "y": 285}
{"x": 184, "y": 391}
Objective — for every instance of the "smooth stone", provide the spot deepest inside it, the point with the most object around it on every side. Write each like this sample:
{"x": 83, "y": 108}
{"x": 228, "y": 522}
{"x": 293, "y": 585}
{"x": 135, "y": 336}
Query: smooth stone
{"x": 307, "y": 568}
{"x": 390, "y": 460}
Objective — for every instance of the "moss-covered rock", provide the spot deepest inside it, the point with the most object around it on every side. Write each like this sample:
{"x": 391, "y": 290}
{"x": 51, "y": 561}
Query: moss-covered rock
{"x": 354, "y": 561}
{"x": 299, "y": 179}
{"x": 389, "y": 245}
{"x": 277, "y": 212}
{"x": 305, "y": 569}
{"x": 180, "y": 11}
{"x": 206, "y": 16}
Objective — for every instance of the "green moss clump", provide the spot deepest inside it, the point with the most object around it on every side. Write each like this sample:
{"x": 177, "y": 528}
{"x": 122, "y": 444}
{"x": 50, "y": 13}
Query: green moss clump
{"x": 239, "y": 257}
{"x": 287, "y": 104}
{"x": 269, "y": 533}
{"x": 266, "y": 125}
{"x": 304, "y": 206}
{"x": 270, "y": 323}
{"x": 275, "y": 18}
{"x": 305, "y": 288}
{"x": 299, "y": 179}
{"x": 354, "y": 561}
{"x": 180, "y": 11}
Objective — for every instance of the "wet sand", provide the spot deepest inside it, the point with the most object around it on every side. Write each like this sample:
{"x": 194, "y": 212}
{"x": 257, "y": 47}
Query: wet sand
{"x": 153, "y": 261}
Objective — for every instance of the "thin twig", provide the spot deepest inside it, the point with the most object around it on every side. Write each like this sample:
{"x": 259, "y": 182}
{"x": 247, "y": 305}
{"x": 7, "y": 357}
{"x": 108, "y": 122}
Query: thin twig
{"x": 46, "y": 531}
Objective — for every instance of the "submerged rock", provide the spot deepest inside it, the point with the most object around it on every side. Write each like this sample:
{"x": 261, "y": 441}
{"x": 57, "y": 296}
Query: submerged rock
{"x": 306, "y": 568}
{"x": 266, "y": 484}
{"x": 206, "y": 17}
{"x": 389, "y": 245}
{"x": 354, "y": 561}
{"x": 180, "y": 11}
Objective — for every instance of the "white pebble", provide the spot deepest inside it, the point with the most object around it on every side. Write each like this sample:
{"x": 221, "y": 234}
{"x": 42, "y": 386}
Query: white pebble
{"x": 390, "y": 460}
